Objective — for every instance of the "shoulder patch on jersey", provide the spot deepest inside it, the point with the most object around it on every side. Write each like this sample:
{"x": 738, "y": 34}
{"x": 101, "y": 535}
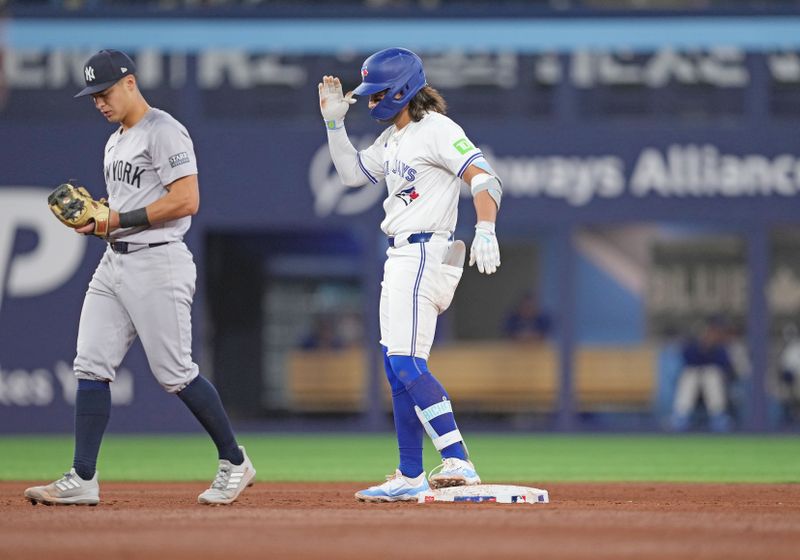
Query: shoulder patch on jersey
{"x": 463, "y": 146}
{"x": 178, "y": 159}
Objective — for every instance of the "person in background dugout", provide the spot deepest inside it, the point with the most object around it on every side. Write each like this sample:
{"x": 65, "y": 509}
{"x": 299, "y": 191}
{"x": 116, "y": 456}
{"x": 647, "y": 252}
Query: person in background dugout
{"x": 323, "y": 335}
{"x": 789, "y": 372}
{"x": 527, "y": 323}
{"x": 707, "y": 369}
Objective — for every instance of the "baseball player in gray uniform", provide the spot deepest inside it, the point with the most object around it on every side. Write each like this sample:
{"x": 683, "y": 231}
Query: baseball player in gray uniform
{"x": 144, "y": 284}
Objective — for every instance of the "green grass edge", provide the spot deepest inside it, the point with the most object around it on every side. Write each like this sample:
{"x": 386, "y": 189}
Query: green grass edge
{"x": 500, "y": 458}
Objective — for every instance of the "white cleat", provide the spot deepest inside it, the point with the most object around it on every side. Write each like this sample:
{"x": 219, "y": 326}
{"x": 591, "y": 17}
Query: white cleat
{"x": 231, "y": 480}
{"x": 69, "y": 490}
{"x": 397, "y": 488}
{"x": 454, "y": 472}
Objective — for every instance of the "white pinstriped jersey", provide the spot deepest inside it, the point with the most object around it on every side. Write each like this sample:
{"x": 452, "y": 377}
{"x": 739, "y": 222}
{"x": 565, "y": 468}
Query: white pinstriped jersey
{"x": 423, "y": 164}
{"x": 139, "y": 163}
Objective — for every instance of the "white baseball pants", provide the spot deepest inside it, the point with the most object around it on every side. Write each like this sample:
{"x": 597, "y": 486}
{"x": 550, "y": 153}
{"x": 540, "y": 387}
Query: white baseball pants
{"x": 417, "y": 286}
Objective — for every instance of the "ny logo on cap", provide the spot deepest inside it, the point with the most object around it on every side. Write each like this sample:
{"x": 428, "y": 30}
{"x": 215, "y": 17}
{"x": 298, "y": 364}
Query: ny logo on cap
{"x": 89, "y": 71}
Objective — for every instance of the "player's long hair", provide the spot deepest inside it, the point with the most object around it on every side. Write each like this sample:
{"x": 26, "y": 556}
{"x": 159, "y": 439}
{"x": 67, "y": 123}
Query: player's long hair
{"x": 427, "y": 99}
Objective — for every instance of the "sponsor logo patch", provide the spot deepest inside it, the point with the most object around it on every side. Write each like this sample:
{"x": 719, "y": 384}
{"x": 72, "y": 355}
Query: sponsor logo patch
{"x": 178, "y": 159}
{"x": 463, "y": 146}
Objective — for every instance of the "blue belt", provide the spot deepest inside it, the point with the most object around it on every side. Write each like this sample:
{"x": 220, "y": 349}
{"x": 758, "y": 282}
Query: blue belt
{"x": 123, "y": 247}
{"x": 421, "y": 237}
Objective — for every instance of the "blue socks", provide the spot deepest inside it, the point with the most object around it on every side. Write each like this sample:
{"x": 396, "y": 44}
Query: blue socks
{"x": 92, "y": 410}
{"x": 425, "y": 390}
{"x": 203, "y": 400}
{"x": 406, "y": 424}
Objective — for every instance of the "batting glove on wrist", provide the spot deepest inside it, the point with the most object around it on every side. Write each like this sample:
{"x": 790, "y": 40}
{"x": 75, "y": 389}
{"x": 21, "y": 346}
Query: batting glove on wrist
{"x": 332, "y": 103}
{"x": 485, "y": 252}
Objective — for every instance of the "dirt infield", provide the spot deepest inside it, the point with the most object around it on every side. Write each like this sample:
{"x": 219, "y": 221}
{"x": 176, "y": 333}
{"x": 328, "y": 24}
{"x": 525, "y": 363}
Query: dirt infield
{"x": 300, "y": 520}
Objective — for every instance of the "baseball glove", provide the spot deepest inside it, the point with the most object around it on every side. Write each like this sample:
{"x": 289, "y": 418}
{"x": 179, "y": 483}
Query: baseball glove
{"x": 74, "y": 207}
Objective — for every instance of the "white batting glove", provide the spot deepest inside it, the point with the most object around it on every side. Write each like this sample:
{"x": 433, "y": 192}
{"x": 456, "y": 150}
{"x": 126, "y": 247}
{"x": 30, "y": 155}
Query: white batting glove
{"x": 332, "y": 103}
{"x": 485, "y": 252}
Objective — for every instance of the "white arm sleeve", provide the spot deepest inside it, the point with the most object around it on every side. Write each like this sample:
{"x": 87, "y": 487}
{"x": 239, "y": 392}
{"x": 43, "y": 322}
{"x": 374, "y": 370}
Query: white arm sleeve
{"x": 355, "y": 168}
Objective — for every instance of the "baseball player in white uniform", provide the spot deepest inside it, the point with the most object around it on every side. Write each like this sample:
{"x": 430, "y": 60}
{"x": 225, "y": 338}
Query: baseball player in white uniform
{"x": 424, "y": 157}
{"x": 144, "y": 284}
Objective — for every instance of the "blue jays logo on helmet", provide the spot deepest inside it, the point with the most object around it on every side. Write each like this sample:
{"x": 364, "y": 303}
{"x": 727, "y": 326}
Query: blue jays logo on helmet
{"x": 398, "y": 72}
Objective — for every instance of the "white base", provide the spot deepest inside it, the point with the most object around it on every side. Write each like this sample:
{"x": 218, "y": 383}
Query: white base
{"x": 499, "y": 493}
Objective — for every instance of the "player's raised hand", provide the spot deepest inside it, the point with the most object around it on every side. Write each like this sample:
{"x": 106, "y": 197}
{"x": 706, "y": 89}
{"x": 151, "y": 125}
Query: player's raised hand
{"x": 332, "y": 103}
{"x": 485, "y": 251}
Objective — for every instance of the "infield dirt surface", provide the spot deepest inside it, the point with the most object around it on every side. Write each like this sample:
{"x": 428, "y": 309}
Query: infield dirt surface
{"x": 315, "y": 520}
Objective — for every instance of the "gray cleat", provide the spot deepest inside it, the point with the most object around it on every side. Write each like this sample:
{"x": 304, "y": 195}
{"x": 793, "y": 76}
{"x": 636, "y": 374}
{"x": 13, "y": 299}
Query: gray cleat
{"x": 230, "y": 481}
{"x": 68, "y": 490}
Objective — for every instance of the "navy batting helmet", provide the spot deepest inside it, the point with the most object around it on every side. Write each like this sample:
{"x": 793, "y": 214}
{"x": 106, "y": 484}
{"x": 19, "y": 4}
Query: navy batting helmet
{"x": 397, "y": 70}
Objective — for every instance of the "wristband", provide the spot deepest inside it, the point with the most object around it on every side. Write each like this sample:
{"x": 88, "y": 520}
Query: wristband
{"x": 334, "y": 124}
{"x": 134, "y": 218}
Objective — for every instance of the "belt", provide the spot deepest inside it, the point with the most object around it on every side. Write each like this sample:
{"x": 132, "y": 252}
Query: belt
{"x": 123, "y": 247}
{"x": 421, "y": 237}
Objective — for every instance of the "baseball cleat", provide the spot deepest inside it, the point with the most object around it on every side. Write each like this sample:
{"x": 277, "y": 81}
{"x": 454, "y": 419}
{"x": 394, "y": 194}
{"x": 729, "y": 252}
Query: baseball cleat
{"x": 68, "y": 490}
{"x": 231, "y": 480}
{"x": 397, "y": 488}
{"x": 454, "y": 472}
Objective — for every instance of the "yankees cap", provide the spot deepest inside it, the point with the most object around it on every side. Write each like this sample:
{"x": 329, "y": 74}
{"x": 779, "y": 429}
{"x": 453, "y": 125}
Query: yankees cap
{"x": 104, "y": 69}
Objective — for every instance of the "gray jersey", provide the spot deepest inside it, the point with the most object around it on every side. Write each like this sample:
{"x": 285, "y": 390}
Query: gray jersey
{"x": 139, "y": 163}
{"x": 147, "y": 292}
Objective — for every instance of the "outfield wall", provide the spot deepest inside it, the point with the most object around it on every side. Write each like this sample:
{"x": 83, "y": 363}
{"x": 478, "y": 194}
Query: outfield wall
{"x": 606, "y": 132}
